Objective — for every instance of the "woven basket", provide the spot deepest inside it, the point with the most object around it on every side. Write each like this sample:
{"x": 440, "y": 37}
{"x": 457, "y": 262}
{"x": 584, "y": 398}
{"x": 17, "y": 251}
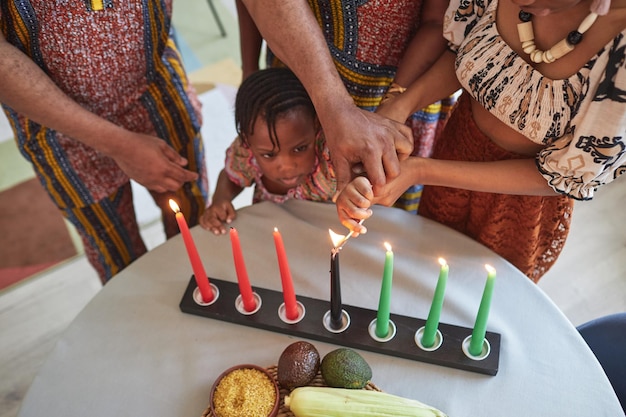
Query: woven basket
{"x": 283, "y": 411}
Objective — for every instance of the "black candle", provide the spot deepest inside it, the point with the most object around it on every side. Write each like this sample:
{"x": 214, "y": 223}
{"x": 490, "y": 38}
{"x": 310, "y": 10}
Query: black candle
{"x": 335, "y": 291}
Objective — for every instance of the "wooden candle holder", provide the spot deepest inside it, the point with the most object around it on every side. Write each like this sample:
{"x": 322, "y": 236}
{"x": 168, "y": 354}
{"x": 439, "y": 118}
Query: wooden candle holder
{"x": 356, "y": 334}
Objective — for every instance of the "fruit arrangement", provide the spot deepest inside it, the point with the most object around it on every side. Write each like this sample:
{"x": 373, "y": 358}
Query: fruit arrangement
{"x": 337, "y": 384}
{"x": 345, "y": 373}
{"x": 341, "y": 368}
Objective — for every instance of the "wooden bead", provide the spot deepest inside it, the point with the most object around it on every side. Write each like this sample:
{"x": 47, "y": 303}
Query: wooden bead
{"x": 565, "y": 46}
{"x": 587, "y": 22}
{"x": 525, "y": 31}
{"x": 525, "y": 16}
{"x": 560, "y": 49}
{"x": 574, "y": 37}
{"x": 547, "y": 57}
{"x": 536, "y": 56}
{"x": 529, "y": 47}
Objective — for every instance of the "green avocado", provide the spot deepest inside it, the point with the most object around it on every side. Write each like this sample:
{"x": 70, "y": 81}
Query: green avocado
{"x": 345, "y": 368}
{"x": 298, "y": 365}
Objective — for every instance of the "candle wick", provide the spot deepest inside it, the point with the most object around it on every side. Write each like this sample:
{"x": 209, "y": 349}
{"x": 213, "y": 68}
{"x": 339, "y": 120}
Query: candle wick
{"x": 343, "y": 241}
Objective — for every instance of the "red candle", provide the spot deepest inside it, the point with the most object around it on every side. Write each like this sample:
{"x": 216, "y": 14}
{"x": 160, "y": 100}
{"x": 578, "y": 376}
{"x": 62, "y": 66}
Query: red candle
{"x": 291, "y": 308}
{"x": 242, "y": 274}
{"x": 196, "y": 264}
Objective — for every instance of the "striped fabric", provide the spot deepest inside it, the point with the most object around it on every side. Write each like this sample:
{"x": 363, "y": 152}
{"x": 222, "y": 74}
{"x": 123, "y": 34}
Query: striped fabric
{"x": 116, "y": 59}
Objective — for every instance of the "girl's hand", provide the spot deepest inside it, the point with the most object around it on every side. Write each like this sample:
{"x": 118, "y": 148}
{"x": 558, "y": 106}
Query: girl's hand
{"x": 353, "y": 204}
{"x": 216, "y": 215}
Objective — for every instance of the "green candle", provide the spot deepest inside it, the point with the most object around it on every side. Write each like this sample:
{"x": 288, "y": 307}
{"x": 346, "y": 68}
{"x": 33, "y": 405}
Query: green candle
{"x": 430, "y": 330}
{"x": 382, "y": 318}
{"x": 480, "y": 326}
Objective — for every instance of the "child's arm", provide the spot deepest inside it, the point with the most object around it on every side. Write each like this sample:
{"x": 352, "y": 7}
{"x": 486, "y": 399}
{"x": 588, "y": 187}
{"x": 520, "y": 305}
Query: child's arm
{"x": 513, "y": 176}
{"x": 426, "y": 46}
{"x": 221, "y": 209}
{"x": 438, "y": 82}
{"x": 424, "y": 52}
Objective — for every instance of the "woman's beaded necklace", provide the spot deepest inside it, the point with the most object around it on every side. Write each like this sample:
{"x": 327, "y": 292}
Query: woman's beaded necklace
{"x": 565, "y": 46}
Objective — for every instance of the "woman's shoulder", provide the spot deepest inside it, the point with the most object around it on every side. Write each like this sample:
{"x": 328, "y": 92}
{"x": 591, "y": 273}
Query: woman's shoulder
{"x": 463, "y": 15}
{"x": 469, "y": 10}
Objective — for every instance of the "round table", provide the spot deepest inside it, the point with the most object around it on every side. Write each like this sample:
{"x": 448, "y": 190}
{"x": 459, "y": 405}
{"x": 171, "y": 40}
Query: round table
{"x": 133, "y": 352}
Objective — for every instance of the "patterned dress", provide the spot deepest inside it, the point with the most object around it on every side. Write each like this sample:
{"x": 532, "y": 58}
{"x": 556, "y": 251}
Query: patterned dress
{"x": 116, "y": 59}
{"x": 581, "y": 121}
{"x": 367, "y": 39}
{"x": 242, "y": 169}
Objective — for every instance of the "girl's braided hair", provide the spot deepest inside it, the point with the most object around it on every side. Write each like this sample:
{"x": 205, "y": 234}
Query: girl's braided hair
{"x": 269, "y": 93}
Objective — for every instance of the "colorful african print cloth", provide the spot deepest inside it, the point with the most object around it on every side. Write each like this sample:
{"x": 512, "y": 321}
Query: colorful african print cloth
{"x": 116, "y": 59}
{"x": 367, "y": 39}
{"x": 581, "y": 119}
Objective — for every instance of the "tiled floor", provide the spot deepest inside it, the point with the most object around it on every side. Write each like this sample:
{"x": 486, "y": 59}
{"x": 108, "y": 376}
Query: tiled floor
{"x": 589, "y": 280}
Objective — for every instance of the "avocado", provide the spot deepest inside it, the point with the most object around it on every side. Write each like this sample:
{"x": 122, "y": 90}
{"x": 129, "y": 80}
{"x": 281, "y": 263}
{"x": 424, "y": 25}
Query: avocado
{"x": 345, "y": 368}
{"x": 298, "y": 365}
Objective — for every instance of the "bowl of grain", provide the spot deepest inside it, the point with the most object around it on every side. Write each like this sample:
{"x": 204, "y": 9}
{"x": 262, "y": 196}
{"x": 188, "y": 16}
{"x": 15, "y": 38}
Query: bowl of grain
{"x": 245, "y": 391}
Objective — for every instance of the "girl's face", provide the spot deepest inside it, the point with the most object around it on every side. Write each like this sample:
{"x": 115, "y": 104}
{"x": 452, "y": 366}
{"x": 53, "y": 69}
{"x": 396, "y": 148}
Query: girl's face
{"x": 545, "y": 7}
{"x": 290, "y": 165}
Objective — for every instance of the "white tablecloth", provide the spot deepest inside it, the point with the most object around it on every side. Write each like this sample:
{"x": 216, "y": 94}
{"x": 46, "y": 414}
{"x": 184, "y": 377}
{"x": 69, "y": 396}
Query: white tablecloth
{"x": 132, "y": 352}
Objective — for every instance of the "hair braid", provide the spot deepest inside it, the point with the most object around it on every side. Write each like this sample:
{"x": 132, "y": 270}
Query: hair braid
{"x": 268, "y": 93}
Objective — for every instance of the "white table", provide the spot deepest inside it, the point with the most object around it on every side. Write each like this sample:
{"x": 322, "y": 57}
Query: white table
{"x": 132, "y": 352}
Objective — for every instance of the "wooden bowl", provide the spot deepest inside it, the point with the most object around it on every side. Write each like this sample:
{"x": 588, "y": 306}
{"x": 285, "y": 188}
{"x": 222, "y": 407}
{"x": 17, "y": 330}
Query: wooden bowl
{"x": 248, "y": 382}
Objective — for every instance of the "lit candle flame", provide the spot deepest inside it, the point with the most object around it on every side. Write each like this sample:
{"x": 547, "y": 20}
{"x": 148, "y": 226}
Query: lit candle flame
{"x": 387, "y": 246}
{"x": 174, "y": 206}
{"x": 442, "y": 262}
{"x": 490, "y": 268}
{"x": 335, "y": 238}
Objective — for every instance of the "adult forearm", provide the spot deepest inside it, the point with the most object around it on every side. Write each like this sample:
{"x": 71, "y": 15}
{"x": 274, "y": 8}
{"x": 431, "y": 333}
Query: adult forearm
{"x": 422, "y": 53}
{"x": 293, "y": 34}
{"x": 144, "y": 158}
{"x": 427, "y": 44}
{"x": 250, "y": 40}
{"x": 517, "y": 176}
{"x": 29, "y": 91}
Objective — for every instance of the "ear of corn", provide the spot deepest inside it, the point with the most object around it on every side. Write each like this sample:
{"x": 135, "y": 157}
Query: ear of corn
{"x": 340, "y": 402}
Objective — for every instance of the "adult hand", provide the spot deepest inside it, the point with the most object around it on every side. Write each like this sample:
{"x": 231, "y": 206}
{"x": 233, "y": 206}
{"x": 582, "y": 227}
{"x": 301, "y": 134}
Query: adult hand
{"x": 362, "y": 140}
{"x": 389, "y": 193}
{"x": 153, "y": 163}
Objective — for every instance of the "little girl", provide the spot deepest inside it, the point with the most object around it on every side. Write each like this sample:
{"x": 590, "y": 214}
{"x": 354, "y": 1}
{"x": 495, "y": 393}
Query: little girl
{"x": 280, "y": 148}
